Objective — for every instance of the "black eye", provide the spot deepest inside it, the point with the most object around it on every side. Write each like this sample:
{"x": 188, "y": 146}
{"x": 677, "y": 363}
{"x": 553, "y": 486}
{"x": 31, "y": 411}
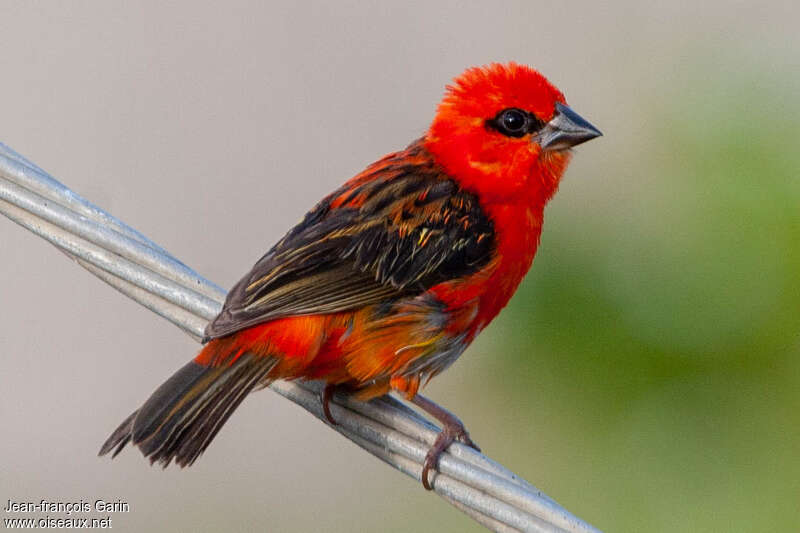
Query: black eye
{"x": 514, "y": 122}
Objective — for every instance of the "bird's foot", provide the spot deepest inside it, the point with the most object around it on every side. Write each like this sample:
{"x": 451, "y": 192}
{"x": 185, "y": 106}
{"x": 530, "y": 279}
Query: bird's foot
{"x": 448, "y": 435}
{"x": 452, "y": 430}
{"x": 325, "y": 399}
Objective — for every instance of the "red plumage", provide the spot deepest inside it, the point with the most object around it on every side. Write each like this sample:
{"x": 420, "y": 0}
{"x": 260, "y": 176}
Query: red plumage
{"x": 388, "y": 279}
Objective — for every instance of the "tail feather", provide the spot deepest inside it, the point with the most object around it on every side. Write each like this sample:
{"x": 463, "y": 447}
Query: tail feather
{"x": 221, "y": 407}
{"x": 183, "y": 415}
{"x": 120, "y": 437}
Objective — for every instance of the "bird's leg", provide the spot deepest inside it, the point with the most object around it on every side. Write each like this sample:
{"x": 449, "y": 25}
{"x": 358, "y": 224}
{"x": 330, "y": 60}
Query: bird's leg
{"x": 452, "y": 429}
{"x": 325, "y": 400}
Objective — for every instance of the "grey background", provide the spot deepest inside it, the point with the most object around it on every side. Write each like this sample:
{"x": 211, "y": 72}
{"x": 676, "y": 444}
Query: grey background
{"x": 212, "y": 129}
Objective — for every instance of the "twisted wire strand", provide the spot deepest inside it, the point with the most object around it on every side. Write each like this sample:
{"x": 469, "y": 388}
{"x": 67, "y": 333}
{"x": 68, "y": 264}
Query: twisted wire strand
{"x": 140, "y": 269}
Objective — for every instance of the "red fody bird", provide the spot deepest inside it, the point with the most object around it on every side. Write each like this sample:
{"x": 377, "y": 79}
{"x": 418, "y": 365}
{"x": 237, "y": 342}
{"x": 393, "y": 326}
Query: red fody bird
{"x": 388, "y": 279}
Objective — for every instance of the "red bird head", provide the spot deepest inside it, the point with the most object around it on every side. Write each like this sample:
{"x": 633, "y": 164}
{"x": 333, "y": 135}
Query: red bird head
{"x": 505, "y": 132}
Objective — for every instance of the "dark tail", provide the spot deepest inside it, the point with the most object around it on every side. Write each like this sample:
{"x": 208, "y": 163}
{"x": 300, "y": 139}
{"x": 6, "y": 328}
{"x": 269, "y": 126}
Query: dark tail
{"x": 185, "y": 413}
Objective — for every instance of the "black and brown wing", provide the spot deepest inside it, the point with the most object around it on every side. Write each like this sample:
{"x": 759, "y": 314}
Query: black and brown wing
{"x": 395, "y": 230}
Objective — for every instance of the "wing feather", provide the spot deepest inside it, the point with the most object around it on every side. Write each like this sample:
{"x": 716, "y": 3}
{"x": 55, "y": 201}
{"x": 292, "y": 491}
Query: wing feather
{"x": 395, "y": 230}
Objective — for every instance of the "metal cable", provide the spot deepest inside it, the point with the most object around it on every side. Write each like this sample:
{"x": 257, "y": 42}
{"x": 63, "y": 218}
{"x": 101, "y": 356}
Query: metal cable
{"x": 130, "y": 262}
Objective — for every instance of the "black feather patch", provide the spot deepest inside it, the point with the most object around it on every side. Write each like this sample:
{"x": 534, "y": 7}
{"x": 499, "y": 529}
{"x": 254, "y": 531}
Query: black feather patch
{"x": 400, "y": 229}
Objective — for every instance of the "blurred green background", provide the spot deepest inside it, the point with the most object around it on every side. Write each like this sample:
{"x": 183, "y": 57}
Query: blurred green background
{"x": 647, "y": 373}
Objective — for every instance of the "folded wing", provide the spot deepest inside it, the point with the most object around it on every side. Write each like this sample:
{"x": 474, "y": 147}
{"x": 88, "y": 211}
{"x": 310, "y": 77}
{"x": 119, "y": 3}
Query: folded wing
{"x": 396, "y": 230}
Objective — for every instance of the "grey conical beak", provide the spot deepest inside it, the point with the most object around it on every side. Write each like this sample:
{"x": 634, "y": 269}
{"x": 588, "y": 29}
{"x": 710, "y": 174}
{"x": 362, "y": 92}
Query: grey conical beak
{"x": 566, "y": 130}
